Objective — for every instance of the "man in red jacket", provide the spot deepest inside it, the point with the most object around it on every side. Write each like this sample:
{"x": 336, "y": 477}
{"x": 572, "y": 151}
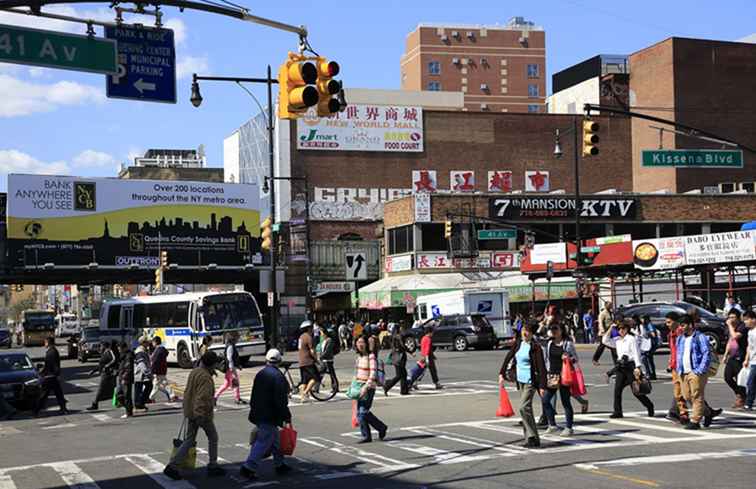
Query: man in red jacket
{"x": 429, "y": 358}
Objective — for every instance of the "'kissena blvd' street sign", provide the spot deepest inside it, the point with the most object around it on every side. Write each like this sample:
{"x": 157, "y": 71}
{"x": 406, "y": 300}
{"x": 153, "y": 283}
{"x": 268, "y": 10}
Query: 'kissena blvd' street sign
{"x": 57, "y": 50}
{"x": 693, "y": 158}
{"x": 146, "y": 64}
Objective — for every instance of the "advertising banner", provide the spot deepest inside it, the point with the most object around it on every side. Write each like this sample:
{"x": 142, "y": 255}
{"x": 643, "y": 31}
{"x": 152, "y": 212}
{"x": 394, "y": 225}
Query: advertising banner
{"x": 422, "y": 207}
{"x": 400, "y": 263}
{"x": 75, "y": 221}
{"x": 735, "y": 246}
{"x": 659, "y": 254}
{"x": 548, "y": 252}
{"x": 363, "y": 128}
{"x": 537, "y": 208}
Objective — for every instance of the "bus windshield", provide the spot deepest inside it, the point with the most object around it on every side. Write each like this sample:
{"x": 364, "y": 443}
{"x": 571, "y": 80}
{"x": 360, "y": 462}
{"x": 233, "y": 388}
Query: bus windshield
{"x": 39, "y": 320}
{"x": 229, "y": 312}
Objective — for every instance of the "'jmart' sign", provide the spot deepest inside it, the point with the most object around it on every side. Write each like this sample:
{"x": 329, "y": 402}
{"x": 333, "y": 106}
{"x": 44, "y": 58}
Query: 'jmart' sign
{"x": 693, "y": 158}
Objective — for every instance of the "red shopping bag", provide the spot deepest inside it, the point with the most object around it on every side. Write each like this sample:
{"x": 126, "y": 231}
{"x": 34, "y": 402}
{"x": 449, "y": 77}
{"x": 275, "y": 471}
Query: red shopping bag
{"x": 505, "y": 407}
{"x": 355, "y": 423}
{"x": 578, "y": 386}
{"x": 568, "y": 373}
{"x": 288, "y": 437}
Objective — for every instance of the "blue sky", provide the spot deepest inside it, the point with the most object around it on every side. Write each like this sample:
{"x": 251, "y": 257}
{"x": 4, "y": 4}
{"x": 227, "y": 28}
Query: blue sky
{"x": 54, "y": 121}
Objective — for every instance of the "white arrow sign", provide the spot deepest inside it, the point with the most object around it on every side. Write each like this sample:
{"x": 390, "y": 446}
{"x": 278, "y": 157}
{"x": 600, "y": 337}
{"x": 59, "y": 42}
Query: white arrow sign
{"x": 142, "y": 85}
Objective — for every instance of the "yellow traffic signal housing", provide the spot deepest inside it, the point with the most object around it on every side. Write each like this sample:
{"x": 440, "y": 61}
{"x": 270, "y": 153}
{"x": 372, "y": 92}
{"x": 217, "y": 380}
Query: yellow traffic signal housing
{"x": 296, "y": 85}
{"x": 327, "y": 87}
{"x": 266, "y": 233}
{"x": 159, "y": 279}
{"x": 447, "y": 229}
{"x": 164, "y": 259}
{"x": 590, "y": 138}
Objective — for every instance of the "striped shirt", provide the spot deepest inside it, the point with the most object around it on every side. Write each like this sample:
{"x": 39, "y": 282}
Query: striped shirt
{"x": 366, "y": 370}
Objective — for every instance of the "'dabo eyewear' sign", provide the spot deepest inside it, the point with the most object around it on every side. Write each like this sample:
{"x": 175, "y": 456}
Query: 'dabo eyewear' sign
{"x": 534, "y": 208}
{"x": 363, "y": 128}
{"x": 75, "y": 221}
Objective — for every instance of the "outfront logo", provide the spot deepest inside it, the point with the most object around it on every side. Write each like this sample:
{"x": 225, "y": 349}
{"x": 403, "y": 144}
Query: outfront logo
{"x": 85, "y": 196}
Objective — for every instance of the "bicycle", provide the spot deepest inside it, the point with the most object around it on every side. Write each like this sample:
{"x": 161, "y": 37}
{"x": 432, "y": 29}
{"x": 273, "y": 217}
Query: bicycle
{"x": 323, "y": 391}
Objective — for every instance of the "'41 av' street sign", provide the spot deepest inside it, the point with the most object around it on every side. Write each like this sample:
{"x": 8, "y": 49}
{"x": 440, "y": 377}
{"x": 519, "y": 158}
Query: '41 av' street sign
{"x": 57, "y": 50}
{"x": 693, "y": 158}
{"x": 146, "y": 64}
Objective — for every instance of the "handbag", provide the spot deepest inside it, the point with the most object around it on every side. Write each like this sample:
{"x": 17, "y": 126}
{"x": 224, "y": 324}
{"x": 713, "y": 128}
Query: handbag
{"x": 354, "y": 390}
{"x": 553, "y": 381}
{"x": 578, "y": 387}
{"x": 288, "y": 440}
{"x": 743, "y": 377}
{"x": 568, "y": 373}
{"x": 190, "y": 462}
{"x": 641, "y": 386}
{"x": 389, "y": 360}
{"x": 505, "y": 409}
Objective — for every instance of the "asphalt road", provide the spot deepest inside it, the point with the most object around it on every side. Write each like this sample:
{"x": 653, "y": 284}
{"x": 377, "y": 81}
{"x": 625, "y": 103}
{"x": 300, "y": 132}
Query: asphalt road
{"x": 444, "y": 439}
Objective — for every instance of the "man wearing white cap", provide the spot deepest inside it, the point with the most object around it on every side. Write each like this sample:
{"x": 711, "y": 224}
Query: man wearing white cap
{"x": 268, "y": 410}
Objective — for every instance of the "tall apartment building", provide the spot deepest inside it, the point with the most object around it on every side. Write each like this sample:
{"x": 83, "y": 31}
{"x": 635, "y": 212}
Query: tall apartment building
{"x": 498, "y": 68}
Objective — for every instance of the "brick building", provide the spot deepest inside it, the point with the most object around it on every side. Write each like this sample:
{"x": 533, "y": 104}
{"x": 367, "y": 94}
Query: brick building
{"x": 498, "y": 68}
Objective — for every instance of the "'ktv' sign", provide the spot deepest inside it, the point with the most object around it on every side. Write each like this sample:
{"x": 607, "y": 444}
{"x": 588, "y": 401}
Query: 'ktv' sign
{"x": 363, "y": 128}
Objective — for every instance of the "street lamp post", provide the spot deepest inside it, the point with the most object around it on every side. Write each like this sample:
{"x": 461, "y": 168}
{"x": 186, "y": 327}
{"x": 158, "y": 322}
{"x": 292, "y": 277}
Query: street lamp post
{"x": 196, "y": 99}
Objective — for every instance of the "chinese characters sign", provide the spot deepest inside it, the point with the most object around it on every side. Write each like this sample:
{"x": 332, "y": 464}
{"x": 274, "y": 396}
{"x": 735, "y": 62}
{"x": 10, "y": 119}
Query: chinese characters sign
{"x": 424, "y": 181}
{"x": 700, "y": 249}
{"x": 499, "y": 181}
{"x": 537, "y": 181}
{"x": 363, "y": 128}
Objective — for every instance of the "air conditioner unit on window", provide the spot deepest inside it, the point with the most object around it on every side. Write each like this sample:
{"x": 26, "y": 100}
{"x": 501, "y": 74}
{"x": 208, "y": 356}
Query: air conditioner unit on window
{"x": 484, "y": 61}
{"x": 484, "y": 86}
{"x": 727, "y": 188}
{"x": 483, "y": 106}
{"x": 470, "y": 35}
{"x": 444, "y": 38}
{"x": 455, "y": 34}
{"x": 464, "y": 61}
{"x": 455, "y": 61}
{"x": 523, "y": 40}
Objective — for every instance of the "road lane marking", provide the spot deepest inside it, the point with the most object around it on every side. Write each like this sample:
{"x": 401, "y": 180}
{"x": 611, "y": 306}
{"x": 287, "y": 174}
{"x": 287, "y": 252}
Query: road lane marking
{"x": 642, "y": 482}
{"x": 154, "y": 469}
{"x": 73, "y": 476}
{"x": 6, "y": 482}
{"x": 385, "y": 464}
{"x": 674, "y": 458}
{"x": 59, "y": 426}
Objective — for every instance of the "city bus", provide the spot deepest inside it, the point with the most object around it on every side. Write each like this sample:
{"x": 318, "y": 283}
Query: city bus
{"x": 182, "y": 320}
{"x": 36, "y": 325}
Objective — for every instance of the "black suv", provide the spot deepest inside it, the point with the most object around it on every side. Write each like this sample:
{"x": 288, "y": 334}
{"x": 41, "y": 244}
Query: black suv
{"x": 460, "y": 331}
{"x": 711, "y": 325}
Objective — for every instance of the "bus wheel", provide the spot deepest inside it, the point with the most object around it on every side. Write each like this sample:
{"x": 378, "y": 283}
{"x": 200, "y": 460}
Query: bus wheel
{"x": 184, "y": 360}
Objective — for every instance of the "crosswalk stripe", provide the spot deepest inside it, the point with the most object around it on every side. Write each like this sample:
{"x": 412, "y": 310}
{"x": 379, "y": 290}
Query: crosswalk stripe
{"x": 650, "y": 425}
{"x": 385, "y": 464}
{"x": 6, "y": 482}
{"x": 470, "y": 440}
{"x": 73, "y": 476}
{"x": 102, "y": 417}
{"x": 443, "y": 457}
{"x": 154, "y": 469}
{"x": 674, "y": 458}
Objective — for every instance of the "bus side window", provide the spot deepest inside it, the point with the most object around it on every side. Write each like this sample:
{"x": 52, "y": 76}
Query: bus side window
{"x": 114, "y": 317}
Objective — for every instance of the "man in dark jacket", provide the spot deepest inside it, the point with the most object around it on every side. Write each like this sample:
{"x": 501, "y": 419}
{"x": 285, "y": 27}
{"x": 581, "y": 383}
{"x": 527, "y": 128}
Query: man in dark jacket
{"x": 107, "y": 368}
{"x": 399, "y": 360}
{"x": 126, "y": 379}
{"x": 159, "y": 361}
{"x": 269, "y": 410}
{"x": 50, "y": 374}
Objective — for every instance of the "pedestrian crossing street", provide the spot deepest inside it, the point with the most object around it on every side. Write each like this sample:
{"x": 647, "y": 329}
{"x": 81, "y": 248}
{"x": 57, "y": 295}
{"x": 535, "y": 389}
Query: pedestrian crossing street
{"x": 406, "y": 449}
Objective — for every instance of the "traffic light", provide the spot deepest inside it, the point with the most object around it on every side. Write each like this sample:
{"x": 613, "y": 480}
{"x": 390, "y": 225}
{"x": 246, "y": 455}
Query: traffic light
{"x": 159, "y": 278}
{"x": 296, "y": 85}
{"x": 447, "y": 229}
{"x": 330, "y": 94}
{"x": 590, "y": 138}
{"x": 266, "y": 233}
{"x": 163, "y": 259}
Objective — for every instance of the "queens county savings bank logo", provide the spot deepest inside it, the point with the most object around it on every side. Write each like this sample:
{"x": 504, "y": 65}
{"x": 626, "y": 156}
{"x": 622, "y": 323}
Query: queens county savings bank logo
{"x": 85, "y": 196}
{"x": 313, "y": 139}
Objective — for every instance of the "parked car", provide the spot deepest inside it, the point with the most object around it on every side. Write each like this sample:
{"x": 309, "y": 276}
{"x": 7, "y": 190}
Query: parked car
{"x": 6, "y": 338}
{"x": 89, "y": 344}
{"x": 19, "y": 379}
{"x": 459, "y": 331}
{"x": 711, "y": 325}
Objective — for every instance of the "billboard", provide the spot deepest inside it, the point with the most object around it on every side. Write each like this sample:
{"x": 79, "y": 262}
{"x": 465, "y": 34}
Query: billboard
{"x": 363, "y": 128}
{"x": 538, "y": 208}
{"x": 75, "y": 221}
{"x": 699, "y": 249}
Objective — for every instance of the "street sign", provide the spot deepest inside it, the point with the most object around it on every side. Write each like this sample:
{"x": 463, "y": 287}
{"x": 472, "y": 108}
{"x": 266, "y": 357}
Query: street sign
{"x": 57, "y": 50}
{"x": 146, "y": 64}
{"x": 497, "y": 233}
{"x": 590, "y": 249}
{"x": 693, "y": 158}
{"x": 356, "y": 266}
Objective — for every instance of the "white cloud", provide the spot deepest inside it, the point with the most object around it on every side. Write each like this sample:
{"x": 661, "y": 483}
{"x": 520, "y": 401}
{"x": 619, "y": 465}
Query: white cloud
{"x": 45, "y": 23}
{"x": 134, "y": 152}
{"x": 179, "y": 30}
{"x": 90, "y": 158}
{"x": 14, "y": 161}
{"x": 24, "y": 98}
{"x": 187, "y": 65}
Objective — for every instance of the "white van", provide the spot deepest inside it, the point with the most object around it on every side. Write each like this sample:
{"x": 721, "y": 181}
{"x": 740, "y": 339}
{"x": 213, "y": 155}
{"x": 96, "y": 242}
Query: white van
{"x": 491, "y": 303}
{"x": 67, "y": 324}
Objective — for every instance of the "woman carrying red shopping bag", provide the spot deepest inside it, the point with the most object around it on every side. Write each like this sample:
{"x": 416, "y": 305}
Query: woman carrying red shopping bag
{"x": 559, "y": 356}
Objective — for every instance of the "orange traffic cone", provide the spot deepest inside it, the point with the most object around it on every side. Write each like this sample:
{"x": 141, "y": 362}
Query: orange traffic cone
{"x": 505, "y": 407}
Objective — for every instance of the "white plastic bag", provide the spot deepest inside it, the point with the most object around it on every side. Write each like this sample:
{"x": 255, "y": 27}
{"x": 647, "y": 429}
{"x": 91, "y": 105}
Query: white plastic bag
{"x": 743, "y": 377}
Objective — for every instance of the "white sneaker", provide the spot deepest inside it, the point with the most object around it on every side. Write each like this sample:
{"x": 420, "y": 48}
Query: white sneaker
{"x": 567, "y": 432}
{"x": 552, "y": 430}
{"x": 124, "y": 416}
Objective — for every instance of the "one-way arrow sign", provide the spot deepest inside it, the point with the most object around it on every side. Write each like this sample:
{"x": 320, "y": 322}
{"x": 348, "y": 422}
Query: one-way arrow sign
{"x": 356, "y": 268}
{"x": 142, "y": 85}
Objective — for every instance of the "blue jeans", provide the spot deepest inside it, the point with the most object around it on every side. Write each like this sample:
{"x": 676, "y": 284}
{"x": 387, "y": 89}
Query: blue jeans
{"x": 549, "y": 398}
{"x": 366, "y": 418}
{"x": 588, "y": 335}
{"x": 268, "y": 441}
{"x": 751, "y": 395}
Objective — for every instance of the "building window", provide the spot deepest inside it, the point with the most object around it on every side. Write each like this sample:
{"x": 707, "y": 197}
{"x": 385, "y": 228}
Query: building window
{"x": 533, "y": 71}
{"x": 400, "y": 240}
{"x": 533, "y": 108}
{"x": 532, "y": 90}
{"x": 434, "y": 68}
{"x": 434, "y": 86}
